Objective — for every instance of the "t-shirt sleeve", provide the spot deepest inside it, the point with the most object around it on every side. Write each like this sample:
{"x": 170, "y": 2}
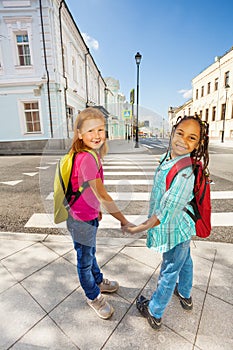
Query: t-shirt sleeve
{"x": 89, "y": 169}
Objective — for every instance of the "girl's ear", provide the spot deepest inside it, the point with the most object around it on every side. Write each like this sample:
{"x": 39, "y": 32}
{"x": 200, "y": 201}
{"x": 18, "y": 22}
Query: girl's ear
{"x": 79, "y": 135}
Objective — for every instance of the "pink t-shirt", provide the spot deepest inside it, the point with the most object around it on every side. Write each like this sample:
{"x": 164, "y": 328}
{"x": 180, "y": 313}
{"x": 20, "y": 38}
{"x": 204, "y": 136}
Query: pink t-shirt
{"x": 85, "y": 168}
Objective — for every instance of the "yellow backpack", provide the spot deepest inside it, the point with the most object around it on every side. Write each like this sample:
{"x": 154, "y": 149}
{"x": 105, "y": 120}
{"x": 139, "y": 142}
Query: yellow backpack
{"x": 63, "y": 188}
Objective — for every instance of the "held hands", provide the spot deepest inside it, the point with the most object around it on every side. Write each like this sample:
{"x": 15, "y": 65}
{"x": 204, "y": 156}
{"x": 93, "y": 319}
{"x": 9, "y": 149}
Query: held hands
{"x": 131, "y": 228}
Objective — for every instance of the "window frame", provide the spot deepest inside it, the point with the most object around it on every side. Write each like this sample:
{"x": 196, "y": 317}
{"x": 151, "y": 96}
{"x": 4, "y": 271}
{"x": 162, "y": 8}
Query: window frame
{"x": 23, "y": 45}
{"x": 22, "y": 114}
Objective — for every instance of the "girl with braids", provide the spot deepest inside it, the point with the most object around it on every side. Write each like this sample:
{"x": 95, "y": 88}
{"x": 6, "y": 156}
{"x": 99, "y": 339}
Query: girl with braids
{"x": 169, "y": 227}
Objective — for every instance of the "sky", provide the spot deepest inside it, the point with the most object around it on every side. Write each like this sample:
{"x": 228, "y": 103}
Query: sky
{"x": 176, "y": 38}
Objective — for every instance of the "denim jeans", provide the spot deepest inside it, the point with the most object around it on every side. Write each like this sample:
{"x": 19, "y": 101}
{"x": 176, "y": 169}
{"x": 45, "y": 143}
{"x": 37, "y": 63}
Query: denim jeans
{"x": 87, "y": 266}
{"x": 177, "y": 266}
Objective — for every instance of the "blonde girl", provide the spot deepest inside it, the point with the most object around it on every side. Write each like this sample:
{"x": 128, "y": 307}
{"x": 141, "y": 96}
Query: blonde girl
{"x": 85, "y": 214}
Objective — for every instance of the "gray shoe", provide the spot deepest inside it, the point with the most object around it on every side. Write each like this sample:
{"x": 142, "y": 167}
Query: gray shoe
{"x": 107, "y": 286}
{"x": 101, "y": 307}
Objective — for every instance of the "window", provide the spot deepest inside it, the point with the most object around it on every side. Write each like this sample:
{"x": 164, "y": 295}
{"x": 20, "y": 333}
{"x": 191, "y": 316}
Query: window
{"x": 70, "y": 115}
{"x": 208, "y": 88}
{"x": 23, "y": 50}
{"x": 213, "y": 113}
{"x": 196, "y": 94}
{"x": 206, "y": 114}
{"x": 223, "y": 110}
{"x": 202, "y": 91}
{"x": 201, "y": 114}
{"x": 216, "y": 84}
{"x": 74, "y": 69}
{"x": 226, "y": 80}
{"x": 32, "y": 117}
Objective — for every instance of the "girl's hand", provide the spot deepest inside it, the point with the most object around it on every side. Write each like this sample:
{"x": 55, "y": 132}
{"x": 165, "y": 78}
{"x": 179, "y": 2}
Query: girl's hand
{"x": 100, "y": 216}
{"x": 126, "y": 226}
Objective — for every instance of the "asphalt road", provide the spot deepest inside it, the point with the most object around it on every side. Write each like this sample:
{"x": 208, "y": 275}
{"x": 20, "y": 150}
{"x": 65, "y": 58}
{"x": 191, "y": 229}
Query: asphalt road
{"x": 20, "y": 202}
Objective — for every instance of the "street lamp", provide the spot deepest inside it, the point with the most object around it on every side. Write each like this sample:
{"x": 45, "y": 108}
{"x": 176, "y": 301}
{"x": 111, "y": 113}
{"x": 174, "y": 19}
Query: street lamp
{"x": 227, "y": 87}
{"x": 138, "y": 58}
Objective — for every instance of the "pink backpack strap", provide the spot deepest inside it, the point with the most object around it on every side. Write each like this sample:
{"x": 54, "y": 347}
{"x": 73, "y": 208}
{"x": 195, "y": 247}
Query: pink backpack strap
{"x": 181, "y": 164}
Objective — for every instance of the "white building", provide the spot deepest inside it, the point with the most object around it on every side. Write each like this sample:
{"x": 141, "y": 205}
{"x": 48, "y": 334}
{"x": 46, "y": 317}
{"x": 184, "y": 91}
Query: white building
{"x": 47, "y": 75}
{"x": 212, "y": 98}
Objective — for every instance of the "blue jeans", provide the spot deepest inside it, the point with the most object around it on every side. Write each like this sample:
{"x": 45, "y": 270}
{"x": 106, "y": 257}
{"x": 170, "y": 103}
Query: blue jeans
{"x": 177, "y": 266}
{"x": 87, "y": 266}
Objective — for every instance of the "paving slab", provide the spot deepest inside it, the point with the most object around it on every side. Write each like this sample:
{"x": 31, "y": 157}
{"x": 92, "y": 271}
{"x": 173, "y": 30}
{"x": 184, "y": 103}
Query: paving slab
{"x": 19, "y": 312}
{"x": 56, "y": 281}
{"x": 221, "y": 283}
{"x": 43, "y": 336}
{"x": 28, "y": 260}
{"x": 215, "y": 331}
{"x": 134, "y": 332}
{"x": 7, "y": 280}
{"x": 80, "y": 323}
{"x": 131, "y": 275}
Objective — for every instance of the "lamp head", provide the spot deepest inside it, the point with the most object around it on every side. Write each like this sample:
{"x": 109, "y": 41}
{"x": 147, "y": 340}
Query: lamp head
{"x": 138, "y": 58}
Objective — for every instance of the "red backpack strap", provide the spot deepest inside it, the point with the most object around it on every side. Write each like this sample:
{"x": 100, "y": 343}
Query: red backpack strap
{"x": 180, "y": 165}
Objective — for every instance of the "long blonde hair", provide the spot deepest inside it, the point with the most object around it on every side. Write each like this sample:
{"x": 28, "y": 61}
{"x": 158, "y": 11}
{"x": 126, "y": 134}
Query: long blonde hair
{"x": 87, "y": 114}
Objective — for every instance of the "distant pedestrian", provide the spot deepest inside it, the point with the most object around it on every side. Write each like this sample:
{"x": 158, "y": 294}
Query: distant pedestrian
{"x": 169, "y": 227}
{"x": 85, "y": 214}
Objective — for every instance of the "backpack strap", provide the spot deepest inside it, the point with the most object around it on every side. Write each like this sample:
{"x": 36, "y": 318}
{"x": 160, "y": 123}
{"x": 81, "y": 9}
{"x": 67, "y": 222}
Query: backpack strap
{"x": 67, "y": 200}
{"x": 180, "y": 165}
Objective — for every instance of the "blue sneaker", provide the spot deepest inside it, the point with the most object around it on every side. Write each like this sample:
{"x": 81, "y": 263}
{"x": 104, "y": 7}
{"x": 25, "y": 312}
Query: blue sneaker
{"x": 186, "y": 303}
{"x": 142, "y": 306}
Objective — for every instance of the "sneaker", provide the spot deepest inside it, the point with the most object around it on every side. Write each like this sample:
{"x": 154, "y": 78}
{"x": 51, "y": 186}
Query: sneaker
{"x": 101, "y": 307}
{"x": 107, "y": 286}
{"x": 142, "y": 305}
{"x": 186, "y": 303}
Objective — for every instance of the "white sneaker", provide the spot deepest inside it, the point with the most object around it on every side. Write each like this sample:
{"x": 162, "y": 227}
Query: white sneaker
{"x": 108, "y": 286}
{"x": 101, "y": 307}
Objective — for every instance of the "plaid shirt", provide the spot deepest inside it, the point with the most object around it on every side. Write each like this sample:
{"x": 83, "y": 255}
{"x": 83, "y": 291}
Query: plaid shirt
{"x": 176, "y": 226}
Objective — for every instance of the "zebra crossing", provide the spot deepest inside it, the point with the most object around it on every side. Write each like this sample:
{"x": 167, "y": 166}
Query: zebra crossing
{"x": 129, "y": 181}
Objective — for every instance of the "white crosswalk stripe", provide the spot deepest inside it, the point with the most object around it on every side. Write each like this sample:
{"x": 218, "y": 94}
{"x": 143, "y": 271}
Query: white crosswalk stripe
{"x": 143, "y": 169}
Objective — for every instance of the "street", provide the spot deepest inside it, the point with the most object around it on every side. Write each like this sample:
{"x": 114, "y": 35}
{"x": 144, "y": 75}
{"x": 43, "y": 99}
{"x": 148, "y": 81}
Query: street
{"x": 27, "y": 190}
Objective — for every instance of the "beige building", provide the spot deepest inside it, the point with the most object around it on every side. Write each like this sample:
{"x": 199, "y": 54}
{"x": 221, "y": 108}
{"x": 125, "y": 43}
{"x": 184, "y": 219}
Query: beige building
{"x": 212, "y": 98}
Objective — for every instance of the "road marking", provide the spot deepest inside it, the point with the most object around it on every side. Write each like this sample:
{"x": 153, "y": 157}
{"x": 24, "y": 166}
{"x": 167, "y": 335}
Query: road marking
{"x": 30, "y": 174}
{"x": 121, "y": 196}
{"x": 128, "y": 173}
{"x": 221, "y": 194}
{"x": 147, "y": 146}
{"x": 144, "y": 196}
{"x": 42, "y": 167}
{"x": 127, "y": 167}
{"x": 222, "y": 219}
{"x": 108, "y": 222}
{"x": 11, "y": 183}
{"x": 129, "y": 182}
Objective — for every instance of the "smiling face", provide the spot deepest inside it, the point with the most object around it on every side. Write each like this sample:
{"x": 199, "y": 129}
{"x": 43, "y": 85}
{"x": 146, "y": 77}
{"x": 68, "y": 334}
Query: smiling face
{"x": 186, "y": 138}
{"x": 92, "y": 133}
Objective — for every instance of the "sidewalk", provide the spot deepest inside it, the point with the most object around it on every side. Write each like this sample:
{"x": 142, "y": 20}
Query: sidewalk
{"x": 43, "y": 306}
{"x": 124, "y": 146}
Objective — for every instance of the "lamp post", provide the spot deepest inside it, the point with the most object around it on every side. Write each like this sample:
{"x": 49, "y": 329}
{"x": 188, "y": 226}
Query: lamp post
{"x": 138, "y": 58}
{"x": 224, "y": 116}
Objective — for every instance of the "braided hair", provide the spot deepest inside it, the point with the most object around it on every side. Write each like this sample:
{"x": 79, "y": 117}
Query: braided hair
{"x": 201, "y": 153}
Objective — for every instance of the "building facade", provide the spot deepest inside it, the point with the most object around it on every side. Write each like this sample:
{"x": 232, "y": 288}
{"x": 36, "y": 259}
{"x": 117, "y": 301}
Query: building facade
{"x": 47, "y": 75}
{"x": 212, "y": 98}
